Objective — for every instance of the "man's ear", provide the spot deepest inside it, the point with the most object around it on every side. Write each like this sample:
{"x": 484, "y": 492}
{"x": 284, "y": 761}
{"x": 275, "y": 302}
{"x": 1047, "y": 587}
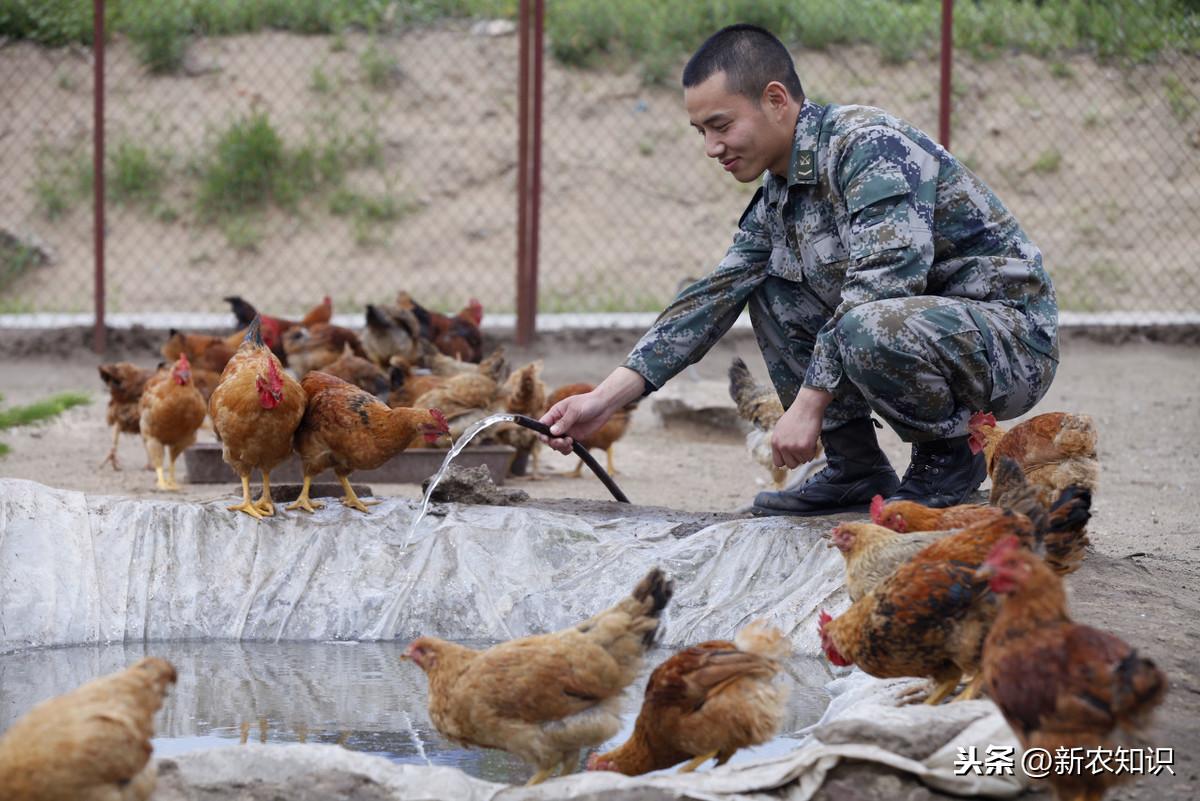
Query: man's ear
{"x": 775, "y": 96}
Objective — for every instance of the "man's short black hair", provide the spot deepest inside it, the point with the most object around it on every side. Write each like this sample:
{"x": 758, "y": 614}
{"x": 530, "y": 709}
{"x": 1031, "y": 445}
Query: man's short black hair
{"x": 751, "y": 57}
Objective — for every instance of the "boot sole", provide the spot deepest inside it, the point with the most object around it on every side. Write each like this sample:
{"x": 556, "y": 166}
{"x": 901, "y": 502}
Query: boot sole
{"x": 763, "y": 511}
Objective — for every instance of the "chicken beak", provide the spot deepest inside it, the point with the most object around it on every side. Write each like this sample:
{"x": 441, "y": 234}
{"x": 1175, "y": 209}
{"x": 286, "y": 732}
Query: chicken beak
{"x": 985, "y": 572}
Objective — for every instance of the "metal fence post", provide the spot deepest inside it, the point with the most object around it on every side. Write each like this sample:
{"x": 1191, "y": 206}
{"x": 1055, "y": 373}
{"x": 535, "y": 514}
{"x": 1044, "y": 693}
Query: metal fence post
{"x": 947, "y": 59}
{"x": 529, "y": 165}
{"x": 98, "y": 331}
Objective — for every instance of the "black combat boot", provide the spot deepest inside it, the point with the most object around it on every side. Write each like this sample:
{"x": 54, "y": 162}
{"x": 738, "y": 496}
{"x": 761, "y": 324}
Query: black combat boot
{"x": 857, "y": 470}
{"x": 943, "y": 473}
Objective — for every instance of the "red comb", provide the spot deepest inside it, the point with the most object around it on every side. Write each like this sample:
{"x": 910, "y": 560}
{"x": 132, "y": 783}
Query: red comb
{"x": 877, "y": 510}
{"x": 183, "y": 360}
{"x": 1003, "y": 548}
{"x": 981, "y": 419}
{"x": 823, "y": 619}
{"x": 440, "y": 419}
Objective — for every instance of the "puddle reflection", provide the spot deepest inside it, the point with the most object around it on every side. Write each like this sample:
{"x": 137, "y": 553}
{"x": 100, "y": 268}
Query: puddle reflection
{"x": 357, "y": 695}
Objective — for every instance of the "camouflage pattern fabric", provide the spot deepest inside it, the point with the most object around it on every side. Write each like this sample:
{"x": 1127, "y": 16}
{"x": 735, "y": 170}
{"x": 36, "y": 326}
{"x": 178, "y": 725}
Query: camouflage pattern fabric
{"x": 879, "y": 269}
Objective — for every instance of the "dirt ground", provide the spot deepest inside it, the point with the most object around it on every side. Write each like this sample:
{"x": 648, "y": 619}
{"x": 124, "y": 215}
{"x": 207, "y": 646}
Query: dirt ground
{"x": 1145, "y": 397}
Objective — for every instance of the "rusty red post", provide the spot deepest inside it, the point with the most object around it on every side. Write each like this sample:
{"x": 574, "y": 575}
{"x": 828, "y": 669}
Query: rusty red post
{"x": 947, "y": 60}
{"x": 98, "y": 331}
{"x": 528, "y": 328}
{"x": 523, "y": 22}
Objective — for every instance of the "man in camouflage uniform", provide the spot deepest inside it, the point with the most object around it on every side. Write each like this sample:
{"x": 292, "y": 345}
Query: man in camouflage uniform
{"x": 881, "y": 275}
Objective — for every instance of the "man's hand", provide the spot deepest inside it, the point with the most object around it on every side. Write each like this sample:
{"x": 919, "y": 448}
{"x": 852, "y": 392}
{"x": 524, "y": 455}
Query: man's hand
{"x": 579, "y": 415}
{"x": 794, "y": 441}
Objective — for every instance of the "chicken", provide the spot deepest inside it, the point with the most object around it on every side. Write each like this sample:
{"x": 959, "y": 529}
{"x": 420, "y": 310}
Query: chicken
{"x": 458, "y": 336}
{"x": 203, "y": 351}
{"x": 255, "y": 412}
{"x": 406, "y": 385}
{"x": 170, "y": 412}
{"x": 1011, "y": 490}
{"x": 930, "y": 615}
{"x": 468, "y": 398}
{"x": 1060, "y": 684}
{"x": 362, "y": 373}
{"x": 1055, "y": 450}
{"x": 759, "y": 406}
{"x": 273, "y": 328}
{"x": 390, "y": 333}
{"x": 317, "y": 346}
{"x": 438, "y": 363}
{"x": 873, "y": 553}
{"x": 706, "y": 702}
{"x": 90, "y": 744}
{"x": 125, "y": 382}
{"x": 606, "y": 435}
{"x": 348, "y": 429}
{"x": 524, "y": 393}
{"x": 546, "y": 697}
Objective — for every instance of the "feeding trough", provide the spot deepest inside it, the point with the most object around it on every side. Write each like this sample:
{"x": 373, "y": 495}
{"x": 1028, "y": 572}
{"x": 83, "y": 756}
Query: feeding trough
{"x": 205, "y": 465}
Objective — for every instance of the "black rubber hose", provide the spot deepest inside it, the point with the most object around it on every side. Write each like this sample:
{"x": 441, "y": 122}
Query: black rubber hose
{"x": 580, "y": 451}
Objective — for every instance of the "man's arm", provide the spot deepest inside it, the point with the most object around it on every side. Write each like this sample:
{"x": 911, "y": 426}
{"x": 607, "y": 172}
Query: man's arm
{"x": 889, "y": 186}
{"x": 686, "y": 330}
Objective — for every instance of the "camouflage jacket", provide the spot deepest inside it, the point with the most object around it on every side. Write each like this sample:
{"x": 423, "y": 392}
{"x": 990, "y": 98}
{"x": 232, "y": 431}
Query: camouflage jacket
{"x": 871, "y": 208}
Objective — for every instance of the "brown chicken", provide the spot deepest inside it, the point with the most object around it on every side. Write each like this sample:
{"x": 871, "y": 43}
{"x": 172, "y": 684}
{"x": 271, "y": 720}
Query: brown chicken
{"x": 125, "y": 382}
{"x": 458, "y": 336}
{"x": 465, "y": 399}
{"x": 171, "y": 411}
{"x": 930, "y": 616}
{"x": 1055, "y": 450}
{"x": 1064, "y": 550}
{"x": 1061, "y": 684}
{"x": 547, "y": 697}
{"x": 348, "y": 429}
{"x": 759, "y": 406}
{"x": 524, "y": 393}
{"x": 391, "y": 333}
{"x": 314, "y": 347}
{"x": 706, "y": 702}
{"x": 362, "y": 373}
{"x": 90, "y": 744}
{"x": 255, "y": 412}
{"x": 406, "y": 385}
{"x": 606, "y": 435}
{"x": 203, "y": 351}
{"x": 873, "y": 553}
{"x": 274, "y": 328}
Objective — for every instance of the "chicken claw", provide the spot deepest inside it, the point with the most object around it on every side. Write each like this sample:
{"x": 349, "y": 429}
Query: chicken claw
{"x": 247, "y": 505}
{"x": 264, "y": 503}
{"x": 697, "y": 762}
{"x": 164, "y": 483}
{"x": 304, "y": 502}
{"x": 352, "y": 500}
{"x": 540, "y": 776}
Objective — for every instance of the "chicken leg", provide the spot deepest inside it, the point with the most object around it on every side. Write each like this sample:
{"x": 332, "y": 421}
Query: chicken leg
{"x": 942, "y": 689}
{"x": 112, "y": 454}
{"x": 154, "y": 449}
{"x": 247, "y": 505}
{"x": 351, "y": 499}
{"x": 540, "y": 776}
{"x": 612, "y": 470}
{"x": 972, "y": 689}
{"x": 697, "y": 762}
{"x": 304, "y": 502}
{"x": 570, "y": 763}
{"x": 264, "y": 503}
{"x": 173, "y": 453}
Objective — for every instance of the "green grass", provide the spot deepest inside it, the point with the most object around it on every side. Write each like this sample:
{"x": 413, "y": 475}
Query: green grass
{"x": 1048, "y": 162}
{"x": 1181, "y": 100}
{"x": 136, "y": 175}
{"x": 378, "y": 66}
{"x": 42, "y": 410}
{"x": 63, "y": 178}
{"x": 657, "y": 35}
{"x": 16, "y": 259}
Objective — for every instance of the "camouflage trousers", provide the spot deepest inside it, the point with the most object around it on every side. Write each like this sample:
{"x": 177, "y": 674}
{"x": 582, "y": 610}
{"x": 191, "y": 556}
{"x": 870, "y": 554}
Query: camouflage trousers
{"x": 924, "y": 364}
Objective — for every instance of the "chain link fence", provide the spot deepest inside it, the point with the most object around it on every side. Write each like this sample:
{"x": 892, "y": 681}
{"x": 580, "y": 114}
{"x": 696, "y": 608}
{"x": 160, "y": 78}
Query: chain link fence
{"x": 284, "y": 167}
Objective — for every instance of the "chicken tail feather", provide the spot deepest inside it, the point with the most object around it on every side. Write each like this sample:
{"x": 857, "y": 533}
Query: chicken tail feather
{"x": 1064, "y": 536}
{"x": 654, "y": 591}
